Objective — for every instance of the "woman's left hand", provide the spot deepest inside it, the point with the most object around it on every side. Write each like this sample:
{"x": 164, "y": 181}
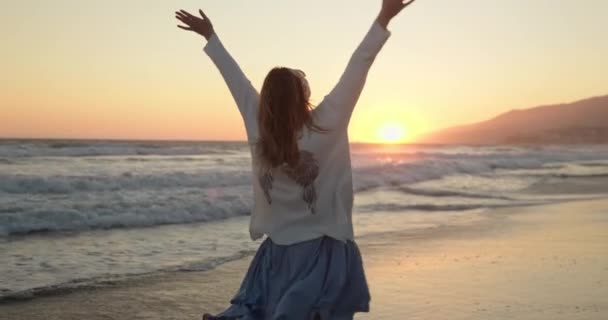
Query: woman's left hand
{"x": 202, "y": 26}
{"x": 391, "y": 8}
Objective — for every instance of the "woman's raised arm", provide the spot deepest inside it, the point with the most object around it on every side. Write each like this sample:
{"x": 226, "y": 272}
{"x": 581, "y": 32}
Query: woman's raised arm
{"x": 243, "y": 92}
{"x": 344, "y": 96}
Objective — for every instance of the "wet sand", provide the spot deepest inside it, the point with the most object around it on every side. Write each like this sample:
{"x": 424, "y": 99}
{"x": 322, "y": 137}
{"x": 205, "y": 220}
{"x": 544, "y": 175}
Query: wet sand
{"x": 540, "y": 262}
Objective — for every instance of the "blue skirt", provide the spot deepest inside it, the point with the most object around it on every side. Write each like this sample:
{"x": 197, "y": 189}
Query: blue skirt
{"x": 316, "y": 279}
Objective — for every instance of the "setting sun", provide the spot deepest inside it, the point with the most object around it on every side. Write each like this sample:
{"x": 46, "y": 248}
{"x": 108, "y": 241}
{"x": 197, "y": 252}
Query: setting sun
{"x": 391, "y": 133}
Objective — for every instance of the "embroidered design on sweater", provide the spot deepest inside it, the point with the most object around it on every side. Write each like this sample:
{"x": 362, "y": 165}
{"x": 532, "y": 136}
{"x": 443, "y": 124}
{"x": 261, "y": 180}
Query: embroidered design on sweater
{"x": 304, "y": 174}
{"x": 266, "y": 184}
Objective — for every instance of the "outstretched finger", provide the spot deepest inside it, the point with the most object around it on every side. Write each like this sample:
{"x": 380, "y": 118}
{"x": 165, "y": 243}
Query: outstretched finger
{"x": 185, "y": 28}
{"x": 183, "y": 13}
{"x": 183, "y": 20}
{"x": 408, "y": 3}
{"x": 187, "y": 14}
{"x": 203, "y": 14}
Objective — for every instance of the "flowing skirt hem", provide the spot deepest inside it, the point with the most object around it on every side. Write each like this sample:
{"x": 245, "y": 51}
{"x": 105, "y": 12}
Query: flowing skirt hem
{"x": 317, "y": 279}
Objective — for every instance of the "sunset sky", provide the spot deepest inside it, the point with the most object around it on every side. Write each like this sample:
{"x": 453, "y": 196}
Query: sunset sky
{"x": 123, "y": 70}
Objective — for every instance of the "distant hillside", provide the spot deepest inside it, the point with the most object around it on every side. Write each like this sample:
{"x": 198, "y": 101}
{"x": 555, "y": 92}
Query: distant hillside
{"x": 584, "y": 121}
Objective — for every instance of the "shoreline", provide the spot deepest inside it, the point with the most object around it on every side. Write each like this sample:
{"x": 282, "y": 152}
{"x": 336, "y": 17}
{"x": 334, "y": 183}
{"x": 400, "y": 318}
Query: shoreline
{"x": 537, "y": 262}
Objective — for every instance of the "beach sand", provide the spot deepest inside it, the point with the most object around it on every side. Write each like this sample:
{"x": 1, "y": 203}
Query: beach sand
{"x": 539, "y": 262}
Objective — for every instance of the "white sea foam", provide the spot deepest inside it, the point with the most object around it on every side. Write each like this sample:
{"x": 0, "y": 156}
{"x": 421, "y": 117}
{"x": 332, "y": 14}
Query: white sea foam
{"x": 62, "y": 184}
{"x": 125, "y": 209}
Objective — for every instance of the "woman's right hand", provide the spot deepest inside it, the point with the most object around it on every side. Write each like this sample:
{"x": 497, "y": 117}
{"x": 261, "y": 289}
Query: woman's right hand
{"x": 390, "y": 8}
{"x": 202, "y": 26}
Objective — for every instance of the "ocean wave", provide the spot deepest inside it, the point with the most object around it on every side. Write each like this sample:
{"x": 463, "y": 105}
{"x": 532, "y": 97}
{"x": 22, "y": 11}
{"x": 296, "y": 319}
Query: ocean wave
{"x": 378, "y": 174}
{"x": 396, "y": 174}
{"x": 83, "y": 148}
{"x": 391, "y": 170}
{"x": 594, "y": 164}
{"x": 448, "y": 193}
{"x": 576, "y": 175}
{"x": 364, "y": 178}
{"x": 45, "y": 201}
{"x": 433, "y": 207}
{"x": 61, "y": 184}
{"x": 127, "y": 211}
{"x": 164, "y": 159}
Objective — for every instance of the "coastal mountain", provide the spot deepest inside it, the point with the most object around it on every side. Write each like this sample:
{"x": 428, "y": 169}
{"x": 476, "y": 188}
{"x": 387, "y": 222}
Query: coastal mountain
{"x": 584, "y": 121}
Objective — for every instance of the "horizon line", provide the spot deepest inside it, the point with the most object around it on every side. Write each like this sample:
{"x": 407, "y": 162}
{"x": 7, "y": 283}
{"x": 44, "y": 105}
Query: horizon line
{"x": 181, "y": 140}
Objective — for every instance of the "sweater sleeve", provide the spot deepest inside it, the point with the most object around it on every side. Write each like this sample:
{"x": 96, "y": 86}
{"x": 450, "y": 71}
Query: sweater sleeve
{"x": 243, "y": 92}
{"x": 344, "y": 96}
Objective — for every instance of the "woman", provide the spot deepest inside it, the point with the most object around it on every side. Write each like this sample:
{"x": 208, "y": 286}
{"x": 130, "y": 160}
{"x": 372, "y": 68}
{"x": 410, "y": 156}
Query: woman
{"x": 309, "y": 266}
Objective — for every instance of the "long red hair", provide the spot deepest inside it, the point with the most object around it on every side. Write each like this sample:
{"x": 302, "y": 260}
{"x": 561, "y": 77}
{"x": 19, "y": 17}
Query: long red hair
{"x": 283, "y": 112}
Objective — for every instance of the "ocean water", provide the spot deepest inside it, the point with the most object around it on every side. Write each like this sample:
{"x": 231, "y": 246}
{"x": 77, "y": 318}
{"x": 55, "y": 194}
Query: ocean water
{"x": 87, "y": 213}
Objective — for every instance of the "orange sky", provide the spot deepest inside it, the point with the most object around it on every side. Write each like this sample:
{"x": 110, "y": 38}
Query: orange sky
{"x": 122, "y": 70}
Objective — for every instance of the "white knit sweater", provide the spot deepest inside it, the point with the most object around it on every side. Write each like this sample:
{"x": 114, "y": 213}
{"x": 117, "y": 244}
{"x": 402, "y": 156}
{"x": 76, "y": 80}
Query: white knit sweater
{"x": 316, "y": 197}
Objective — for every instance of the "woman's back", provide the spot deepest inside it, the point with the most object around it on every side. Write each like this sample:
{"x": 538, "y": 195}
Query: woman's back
{"x": 314, "y": 197}
{"x": 308, "y": 200}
